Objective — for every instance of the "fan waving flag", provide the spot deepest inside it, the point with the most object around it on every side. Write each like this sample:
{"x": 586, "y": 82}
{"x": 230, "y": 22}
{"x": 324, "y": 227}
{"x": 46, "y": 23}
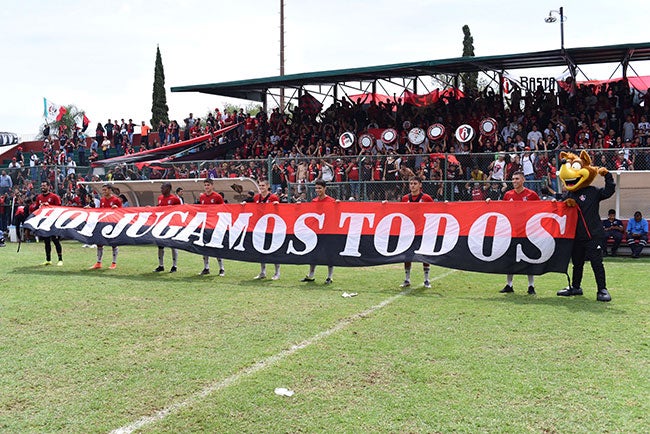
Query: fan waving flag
{"x": 85, "y": 122}
{"x": 53, "y": 112}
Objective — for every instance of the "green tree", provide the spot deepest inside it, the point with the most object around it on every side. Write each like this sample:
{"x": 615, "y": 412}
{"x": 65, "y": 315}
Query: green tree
{"x": 72, "y": 118}
{"x": 468, "y": 79}
{"x": 159, "y": 108}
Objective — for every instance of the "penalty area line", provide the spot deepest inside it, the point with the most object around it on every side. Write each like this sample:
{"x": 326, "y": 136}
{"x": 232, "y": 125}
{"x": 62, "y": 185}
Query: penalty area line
{"x": 263, "y": 364}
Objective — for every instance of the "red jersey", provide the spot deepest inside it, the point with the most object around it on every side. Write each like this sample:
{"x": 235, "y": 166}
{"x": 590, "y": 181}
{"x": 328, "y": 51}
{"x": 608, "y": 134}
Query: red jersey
{"x": 478, "y": 193}
{"x": 75, "y": 201}
{"x": 269, "y": 198}
{"x": 339, "y": 173}
{"x": 213, "y": 198}
{"x": 49, "y": 198}
{"x": 172, "y": 199}
{"x": 422, "y": 197}
{"x": 108, "y": 202}
{"x": 325, "y": 199}
{"x": 313, "y": 172}
{"x": 377, "y": 172}
{"x": 291, "y": 173}
{"x": 525, "y": 195}
{"x": 353, "y": 172}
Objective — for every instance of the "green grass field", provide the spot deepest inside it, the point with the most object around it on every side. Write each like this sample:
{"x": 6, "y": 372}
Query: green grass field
{"x": 96, "y": 351}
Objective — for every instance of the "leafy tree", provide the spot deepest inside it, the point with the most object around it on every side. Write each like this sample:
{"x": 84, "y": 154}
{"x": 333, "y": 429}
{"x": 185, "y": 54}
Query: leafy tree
{"x": 72, "y": 118}
{"x": 159, "y": 108}
{"x": 468, "y": 79}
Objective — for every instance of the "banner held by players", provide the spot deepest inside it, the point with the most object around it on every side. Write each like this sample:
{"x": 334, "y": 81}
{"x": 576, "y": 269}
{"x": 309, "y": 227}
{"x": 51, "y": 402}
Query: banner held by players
{"x": 495, "y": 237}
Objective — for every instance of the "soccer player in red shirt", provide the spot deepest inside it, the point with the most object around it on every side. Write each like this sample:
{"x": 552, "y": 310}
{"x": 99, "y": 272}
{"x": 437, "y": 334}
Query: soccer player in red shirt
{"x": 108, "y": 200}
{"x": 416, "y": 195}
{"x": 167, "y": 199}
{"x": 210, "y": 197}
{"x": 47, "y": 198}
{"x": 265, "y": 196}
{"x": 519, "y": 193}
{"x": 321, "y": 196}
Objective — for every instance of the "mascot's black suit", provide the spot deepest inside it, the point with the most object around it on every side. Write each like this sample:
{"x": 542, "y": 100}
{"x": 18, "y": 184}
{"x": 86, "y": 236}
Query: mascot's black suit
{"x": 577, "y": 174}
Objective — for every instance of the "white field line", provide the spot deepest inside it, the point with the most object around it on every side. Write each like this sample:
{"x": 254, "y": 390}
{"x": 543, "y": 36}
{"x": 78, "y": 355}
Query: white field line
{"x": 263, "y": 364}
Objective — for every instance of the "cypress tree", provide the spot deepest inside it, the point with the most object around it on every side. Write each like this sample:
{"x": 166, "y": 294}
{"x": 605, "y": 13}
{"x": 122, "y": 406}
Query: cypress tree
{"x": 469, "y": 79}
{"x": 159, "y": 109}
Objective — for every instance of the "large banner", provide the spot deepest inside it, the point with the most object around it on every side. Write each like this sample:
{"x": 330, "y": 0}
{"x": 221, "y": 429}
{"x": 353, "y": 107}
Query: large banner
{"x": 494, "y": 237}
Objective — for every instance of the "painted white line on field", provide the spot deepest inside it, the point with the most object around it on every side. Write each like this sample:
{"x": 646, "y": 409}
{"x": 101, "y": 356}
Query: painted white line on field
{"x": 269, "y": 361}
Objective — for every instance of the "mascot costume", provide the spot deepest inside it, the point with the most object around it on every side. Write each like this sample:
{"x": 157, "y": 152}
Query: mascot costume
{"x": 577, "y": 174}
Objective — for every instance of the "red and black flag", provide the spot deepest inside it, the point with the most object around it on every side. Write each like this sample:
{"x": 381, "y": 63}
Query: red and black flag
{"x": 494, "y": 237}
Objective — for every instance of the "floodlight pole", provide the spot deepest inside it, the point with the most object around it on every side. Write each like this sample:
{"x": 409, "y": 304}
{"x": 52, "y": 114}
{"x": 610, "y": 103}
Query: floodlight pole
{"x": 562, "y": 28}
{"x": 281, "y": 53}
{"x": 552, "y": 19}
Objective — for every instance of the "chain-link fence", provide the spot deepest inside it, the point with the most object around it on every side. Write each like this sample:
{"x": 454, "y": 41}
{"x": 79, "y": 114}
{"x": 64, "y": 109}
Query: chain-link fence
{"x": 365, "y": 177}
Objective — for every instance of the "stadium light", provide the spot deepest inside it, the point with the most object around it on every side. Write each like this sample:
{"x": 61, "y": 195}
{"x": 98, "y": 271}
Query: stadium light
{"x": 551, "y": 19}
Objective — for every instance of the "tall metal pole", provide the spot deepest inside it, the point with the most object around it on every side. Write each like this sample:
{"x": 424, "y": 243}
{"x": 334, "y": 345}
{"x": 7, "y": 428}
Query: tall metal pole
{"x": 562, "y": 28}
{"x": 281, "y": 53}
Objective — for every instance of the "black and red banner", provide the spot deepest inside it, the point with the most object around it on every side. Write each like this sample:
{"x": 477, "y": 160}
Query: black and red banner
{"x": 494, "y": 237}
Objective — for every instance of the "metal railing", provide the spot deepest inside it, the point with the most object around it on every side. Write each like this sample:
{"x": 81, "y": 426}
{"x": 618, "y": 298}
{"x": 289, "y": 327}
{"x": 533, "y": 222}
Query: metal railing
{"x": 366, "y": 177}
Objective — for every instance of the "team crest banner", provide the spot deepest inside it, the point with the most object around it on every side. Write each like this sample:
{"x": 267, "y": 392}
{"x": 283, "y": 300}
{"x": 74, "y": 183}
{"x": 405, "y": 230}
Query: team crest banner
{"x": 493, "y": 237}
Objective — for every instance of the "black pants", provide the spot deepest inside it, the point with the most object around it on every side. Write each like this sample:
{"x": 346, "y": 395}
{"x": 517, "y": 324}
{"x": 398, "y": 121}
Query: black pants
{"x": 48, "y": 247}
{"x": 617, "y": 237}
{"x": 587, "y": 251}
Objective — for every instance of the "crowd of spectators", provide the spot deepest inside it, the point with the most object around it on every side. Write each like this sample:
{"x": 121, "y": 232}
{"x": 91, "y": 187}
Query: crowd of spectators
{"x": 302, "y": 144}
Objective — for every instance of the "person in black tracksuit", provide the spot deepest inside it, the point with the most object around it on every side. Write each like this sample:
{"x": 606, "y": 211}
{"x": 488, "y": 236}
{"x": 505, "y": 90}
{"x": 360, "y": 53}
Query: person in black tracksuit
{"x": 589, "y": 237}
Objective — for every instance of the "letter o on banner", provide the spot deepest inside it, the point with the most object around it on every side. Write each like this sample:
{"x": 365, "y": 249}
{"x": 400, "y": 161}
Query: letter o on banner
{"x": 405, "y": 237}
{"x": 277, "y": 236}
{"x": 500, "y": 240}
{"x": 76, "y": 218}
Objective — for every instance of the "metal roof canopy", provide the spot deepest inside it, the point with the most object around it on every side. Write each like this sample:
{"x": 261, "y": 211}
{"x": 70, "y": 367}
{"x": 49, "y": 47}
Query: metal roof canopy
{"x": 256, "y": 89}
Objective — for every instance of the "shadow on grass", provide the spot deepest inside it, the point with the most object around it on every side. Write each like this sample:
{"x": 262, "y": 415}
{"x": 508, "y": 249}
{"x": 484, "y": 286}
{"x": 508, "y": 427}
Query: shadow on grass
{"x": 147, "y": 276}
{"x": 584, "y": 303}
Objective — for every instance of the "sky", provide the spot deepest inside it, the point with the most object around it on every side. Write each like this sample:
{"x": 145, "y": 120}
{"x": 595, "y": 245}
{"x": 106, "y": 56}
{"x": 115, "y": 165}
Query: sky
{"x": 100, "y": 56}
